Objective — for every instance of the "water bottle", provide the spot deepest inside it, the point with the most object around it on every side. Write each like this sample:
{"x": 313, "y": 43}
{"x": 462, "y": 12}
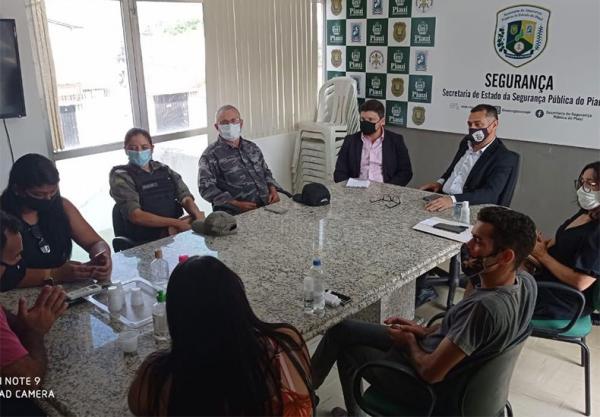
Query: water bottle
{"x": 308, "y": 293}
{"x": 319, "y": 288}
{"x": 465, "y": 213}
{"x": 314, "y": 280}
{"x": 159, "y": 270}
{"x": 159, "y": 317}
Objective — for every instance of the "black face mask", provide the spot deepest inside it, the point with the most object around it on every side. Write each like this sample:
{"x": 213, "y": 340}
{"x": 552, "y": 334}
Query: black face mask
{"x": 471, "y": 266}
{"x": 367, "y": 127}
{"x": 12, "y": 276}
{"x": 40, "y": 204}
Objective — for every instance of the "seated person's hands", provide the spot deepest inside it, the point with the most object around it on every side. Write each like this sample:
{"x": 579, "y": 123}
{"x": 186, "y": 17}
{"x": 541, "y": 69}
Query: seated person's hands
{"x": 435, "y": 187}
{"x": 407, "y": 326}
{"x": 243, "y": 205}
{"x": 72, "y": 271}
{"x": 273, "y": 195}
{"x": 101, "y": 260}
{"x": 49, "y": 305}
{"x": 400, "y": 338}
{"x": 540, "y": 249}
{"x": 439, "y": 204}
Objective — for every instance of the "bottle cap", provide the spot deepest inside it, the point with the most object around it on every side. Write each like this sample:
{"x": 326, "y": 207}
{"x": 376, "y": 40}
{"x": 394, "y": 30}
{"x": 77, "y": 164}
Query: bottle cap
{"x": 161, "y": 296}
{"x": 158, "y": 253}
{"x": 183, "y": 258}
{"x": 316, "y": 262}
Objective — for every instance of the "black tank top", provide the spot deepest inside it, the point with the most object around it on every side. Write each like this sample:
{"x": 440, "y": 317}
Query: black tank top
{"x": 41, "y": 251}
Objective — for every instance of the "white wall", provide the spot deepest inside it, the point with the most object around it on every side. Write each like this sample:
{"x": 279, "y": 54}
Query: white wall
{"x": 30, "y": 133}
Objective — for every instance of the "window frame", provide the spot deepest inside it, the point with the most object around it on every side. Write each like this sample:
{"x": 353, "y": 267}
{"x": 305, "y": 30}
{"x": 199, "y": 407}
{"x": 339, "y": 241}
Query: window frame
{"x": 137, "y": 87}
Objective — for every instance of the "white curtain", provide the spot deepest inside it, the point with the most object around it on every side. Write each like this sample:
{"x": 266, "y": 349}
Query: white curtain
{"x": 42, "y": 55}
{"x": 261, "y": 56}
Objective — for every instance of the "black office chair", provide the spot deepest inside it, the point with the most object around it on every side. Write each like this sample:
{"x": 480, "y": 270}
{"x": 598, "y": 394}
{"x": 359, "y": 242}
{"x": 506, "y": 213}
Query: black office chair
{"x": 479, "y": 388}
{"x": 453, "y": 278}
{"x": 121, "y": 241}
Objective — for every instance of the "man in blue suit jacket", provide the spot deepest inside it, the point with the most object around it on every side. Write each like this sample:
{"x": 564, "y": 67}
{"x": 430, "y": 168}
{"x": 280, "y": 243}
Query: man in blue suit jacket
{"x": 481, "y": 168}
{"x": 373, "y": 153}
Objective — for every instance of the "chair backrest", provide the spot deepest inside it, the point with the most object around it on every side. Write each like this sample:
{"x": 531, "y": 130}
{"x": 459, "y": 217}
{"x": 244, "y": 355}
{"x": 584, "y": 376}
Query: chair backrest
{"x": 119, "y": 224}
{"x": 338, "y": 103}
{"x": 481, "y": 388}
{"x": 506, "y": 195}
{"x": 596, "y": 295}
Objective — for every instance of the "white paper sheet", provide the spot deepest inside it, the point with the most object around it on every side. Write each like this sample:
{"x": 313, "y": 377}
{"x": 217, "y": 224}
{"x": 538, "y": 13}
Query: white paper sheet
{"x": 427, "y": 227}
{"x": 357, "y": 183}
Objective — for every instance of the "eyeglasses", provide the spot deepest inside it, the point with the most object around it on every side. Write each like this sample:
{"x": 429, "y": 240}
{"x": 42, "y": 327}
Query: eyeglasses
{"x": 588, "y": 185}
{"x": 42, "y": 244}
{"x": 391, "y": 201}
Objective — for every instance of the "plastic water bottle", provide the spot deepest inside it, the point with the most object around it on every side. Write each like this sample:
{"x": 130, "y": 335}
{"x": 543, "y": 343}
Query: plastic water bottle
{"x": 308, "y": 293}
{"x": 159, "y": 317}
{"x": 314, "y": 301}
{"x": 159, "y": 270}
{"x": 465, "y": 213}
{"x": 319, "y": 290}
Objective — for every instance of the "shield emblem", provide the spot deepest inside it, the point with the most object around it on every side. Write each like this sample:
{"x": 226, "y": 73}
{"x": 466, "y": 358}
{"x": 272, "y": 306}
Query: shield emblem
{"x": 376, "y": 83}
{"x": 399, "y": 31}
{"x": 397, "y": 87}
{"x": 376, "y": 59}
{"x": 336, "y": 58}
{"x": 418, "y": 115}
{"x": 521, "y": 34}
{"x": 336, "y": 7}
{"x": 356, "y": 4}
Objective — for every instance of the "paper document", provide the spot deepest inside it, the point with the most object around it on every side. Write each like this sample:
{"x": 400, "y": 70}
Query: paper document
{"x": 427, "y": 227}
{"x": 357, "y": 183}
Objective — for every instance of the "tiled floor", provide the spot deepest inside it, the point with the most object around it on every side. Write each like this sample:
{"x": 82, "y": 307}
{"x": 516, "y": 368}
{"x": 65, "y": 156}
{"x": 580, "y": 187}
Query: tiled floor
{"x": 547, "y": 381}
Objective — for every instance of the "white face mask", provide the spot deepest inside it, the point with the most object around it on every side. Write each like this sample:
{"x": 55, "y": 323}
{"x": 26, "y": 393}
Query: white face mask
{"x": 588, "y": 200}
{"x": 230, "y": 131}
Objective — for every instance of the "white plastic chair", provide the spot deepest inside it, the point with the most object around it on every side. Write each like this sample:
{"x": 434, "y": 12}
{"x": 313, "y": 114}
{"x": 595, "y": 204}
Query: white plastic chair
{"x": 336, "y": 117}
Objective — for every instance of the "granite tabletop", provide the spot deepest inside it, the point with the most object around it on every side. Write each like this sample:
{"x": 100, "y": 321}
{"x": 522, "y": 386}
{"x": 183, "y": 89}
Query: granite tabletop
{"x": 368, "y": 250}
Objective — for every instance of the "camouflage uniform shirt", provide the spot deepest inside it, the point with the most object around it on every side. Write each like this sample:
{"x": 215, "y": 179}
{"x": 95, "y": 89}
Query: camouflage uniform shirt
{"x": 123, "y": 191}
{"x": 227, "y": 173}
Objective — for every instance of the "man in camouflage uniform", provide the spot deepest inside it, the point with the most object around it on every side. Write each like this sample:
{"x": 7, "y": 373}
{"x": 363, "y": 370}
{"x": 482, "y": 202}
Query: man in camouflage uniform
{"x": 232, "y": 172}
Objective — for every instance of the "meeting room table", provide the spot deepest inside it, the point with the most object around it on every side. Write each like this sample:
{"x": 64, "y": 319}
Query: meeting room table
{"x": 369, "y": 252}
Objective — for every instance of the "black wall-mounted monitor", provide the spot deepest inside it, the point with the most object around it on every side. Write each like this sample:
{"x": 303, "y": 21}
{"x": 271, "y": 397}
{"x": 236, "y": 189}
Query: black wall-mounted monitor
{"x": 12, "y": 102}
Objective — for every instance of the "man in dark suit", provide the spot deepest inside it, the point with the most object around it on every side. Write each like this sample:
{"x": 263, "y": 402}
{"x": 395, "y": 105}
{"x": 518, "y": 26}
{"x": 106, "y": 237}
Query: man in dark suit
{"x": 374, "y": 153}
{"x": 480, "y": 169}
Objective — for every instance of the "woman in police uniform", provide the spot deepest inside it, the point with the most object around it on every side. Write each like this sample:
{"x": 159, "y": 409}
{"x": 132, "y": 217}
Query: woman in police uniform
{"x": 149, "y": 195}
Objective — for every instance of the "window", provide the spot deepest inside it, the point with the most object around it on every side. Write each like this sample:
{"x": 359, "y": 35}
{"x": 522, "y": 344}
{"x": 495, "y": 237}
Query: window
{"x": 125, "y": 63}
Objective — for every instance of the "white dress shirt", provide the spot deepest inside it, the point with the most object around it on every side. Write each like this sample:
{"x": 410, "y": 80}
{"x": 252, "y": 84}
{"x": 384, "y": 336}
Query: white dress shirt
{"x": 456, "y": 181}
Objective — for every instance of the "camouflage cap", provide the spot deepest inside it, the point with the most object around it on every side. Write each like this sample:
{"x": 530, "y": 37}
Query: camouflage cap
{"x": 217, "y": 223}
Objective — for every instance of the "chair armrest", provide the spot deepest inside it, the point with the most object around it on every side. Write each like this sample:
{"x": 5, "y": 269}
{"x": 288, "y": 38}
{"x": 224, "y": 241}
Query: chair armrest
{"x": 580, "y": 305}
{"x": 436, "y": 318}
{"x": 394, "y": 367}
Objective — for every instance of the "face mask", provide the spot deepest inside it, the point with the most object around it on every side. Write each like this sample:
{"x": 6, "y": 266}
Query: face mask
{"x": 12, "y": 276}
{"x": 367, "y": 127}
{"x": 473, "y": 266}
{"x": 230, "y": 131}
{"x": 40, "y": 204}
{"x": 588, "y": 200}
{"x": 140, "y": 158}
{"x": 478, "y": 135}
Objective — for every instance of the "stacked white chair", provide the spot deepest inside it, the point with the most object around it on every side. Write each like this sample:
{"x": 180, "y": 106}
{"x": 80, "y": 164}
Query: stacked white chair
{"x": 318, "y": 142}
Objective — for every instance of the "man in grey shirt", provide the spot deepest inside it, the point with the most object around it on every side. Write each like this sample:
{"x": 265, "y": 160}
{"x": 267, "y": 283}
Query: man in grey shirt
{"x": 232, "y": 173}
{"x": 492, "y": 316}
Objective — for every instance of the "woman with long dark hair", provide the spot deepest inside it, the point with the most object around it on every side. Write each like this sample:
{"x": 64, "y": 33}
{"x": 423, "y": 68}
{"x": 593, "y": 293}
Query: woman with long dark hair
{"x": 223, "y": 360}
{"x": 49, "y": 223}
{"x": 573, "y": 256}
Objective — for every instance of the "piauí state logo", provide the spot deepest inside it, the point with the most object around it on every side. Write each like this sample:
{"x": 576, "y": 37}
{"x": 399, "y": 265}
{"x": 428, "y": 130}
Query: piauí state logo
{"x": 521, "y": 33}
